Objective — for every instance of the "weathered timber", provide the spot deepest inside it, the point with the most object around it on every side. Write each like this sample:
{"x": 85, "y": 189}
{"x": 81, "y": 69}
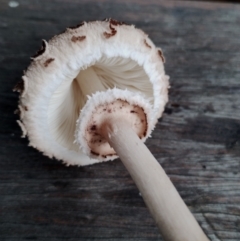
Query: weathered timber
{"x": 197, "y": 141}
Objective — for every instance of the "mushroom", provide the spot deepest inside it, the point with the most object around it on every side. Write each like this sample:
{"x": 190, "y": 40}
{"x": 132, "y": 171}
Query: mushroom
{"x": 95, "y": 92}
{"x": 91, "y": 57}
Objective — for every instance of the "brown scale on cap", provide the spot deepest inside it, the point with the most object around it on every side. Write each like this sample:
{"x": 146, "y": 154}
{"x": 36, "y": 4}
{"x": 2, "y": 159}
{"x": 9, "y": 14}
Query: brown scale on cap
{"x": 77, "y": 38}
{"x": 77, "y": 26}
{"x": 40, "y": 51}
{"x": 48, "y": 61}
{"x": 112, "y": 23}
{"x": 19, "y": 87}
{"x": 17, "y": 112}
{"x": 133, "y": 114}
{"x": 145, "y": 42}
{"x": 116, "y": 22}
{"x": 161, "y": 55}
{"x": 108, "y": 35}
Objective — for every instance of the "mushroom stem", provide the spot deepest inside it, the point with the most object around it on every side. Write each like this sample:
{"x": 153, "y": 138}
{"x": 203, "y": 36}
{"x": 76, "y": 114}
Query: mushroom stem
{"x": 89, "y": 82}
{"x": 175, "y": 221}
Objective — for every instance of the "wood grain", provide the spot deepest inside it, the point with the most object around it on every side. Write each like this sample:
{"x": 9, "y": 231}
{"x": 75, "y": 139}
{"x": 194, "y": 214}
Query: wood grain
{"x": 197, "y": 141}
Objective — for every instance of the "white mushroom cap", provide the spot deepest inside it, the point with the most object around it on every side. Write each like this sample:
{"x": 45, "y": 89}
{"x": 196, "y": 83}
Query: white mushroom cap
{"x": 94, "y": 56}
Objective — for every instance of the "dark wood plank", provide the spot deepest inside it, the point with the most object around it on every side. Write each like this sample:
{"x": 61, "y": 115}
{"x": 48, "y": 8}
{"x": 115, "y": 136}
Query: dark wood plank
{"x": 197, "y": 141}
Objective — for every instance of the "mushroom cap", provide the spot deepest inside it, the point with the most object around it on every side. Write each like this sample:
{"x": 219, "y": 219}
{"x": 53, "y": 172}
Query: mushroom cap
{"x": 133, "y": 108}
{"x": 91, "y": 57}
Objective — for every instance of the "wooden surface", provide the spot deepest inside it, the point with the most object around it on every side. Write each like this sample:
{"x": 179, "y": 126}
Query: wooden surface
{"x": 197, "y": 141}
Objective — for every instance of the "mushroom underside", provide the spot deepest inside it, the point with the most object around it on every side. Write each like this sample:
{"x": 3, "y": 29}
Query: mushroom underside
{"x": 70, "y": 97}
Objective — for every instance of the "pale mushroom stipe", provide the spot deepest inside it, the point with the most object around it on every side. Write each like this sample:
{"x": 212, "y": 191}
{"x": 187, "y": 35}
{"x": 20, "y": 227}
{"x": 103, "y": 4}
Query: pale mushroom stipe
{"x": 95, "y": 93}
